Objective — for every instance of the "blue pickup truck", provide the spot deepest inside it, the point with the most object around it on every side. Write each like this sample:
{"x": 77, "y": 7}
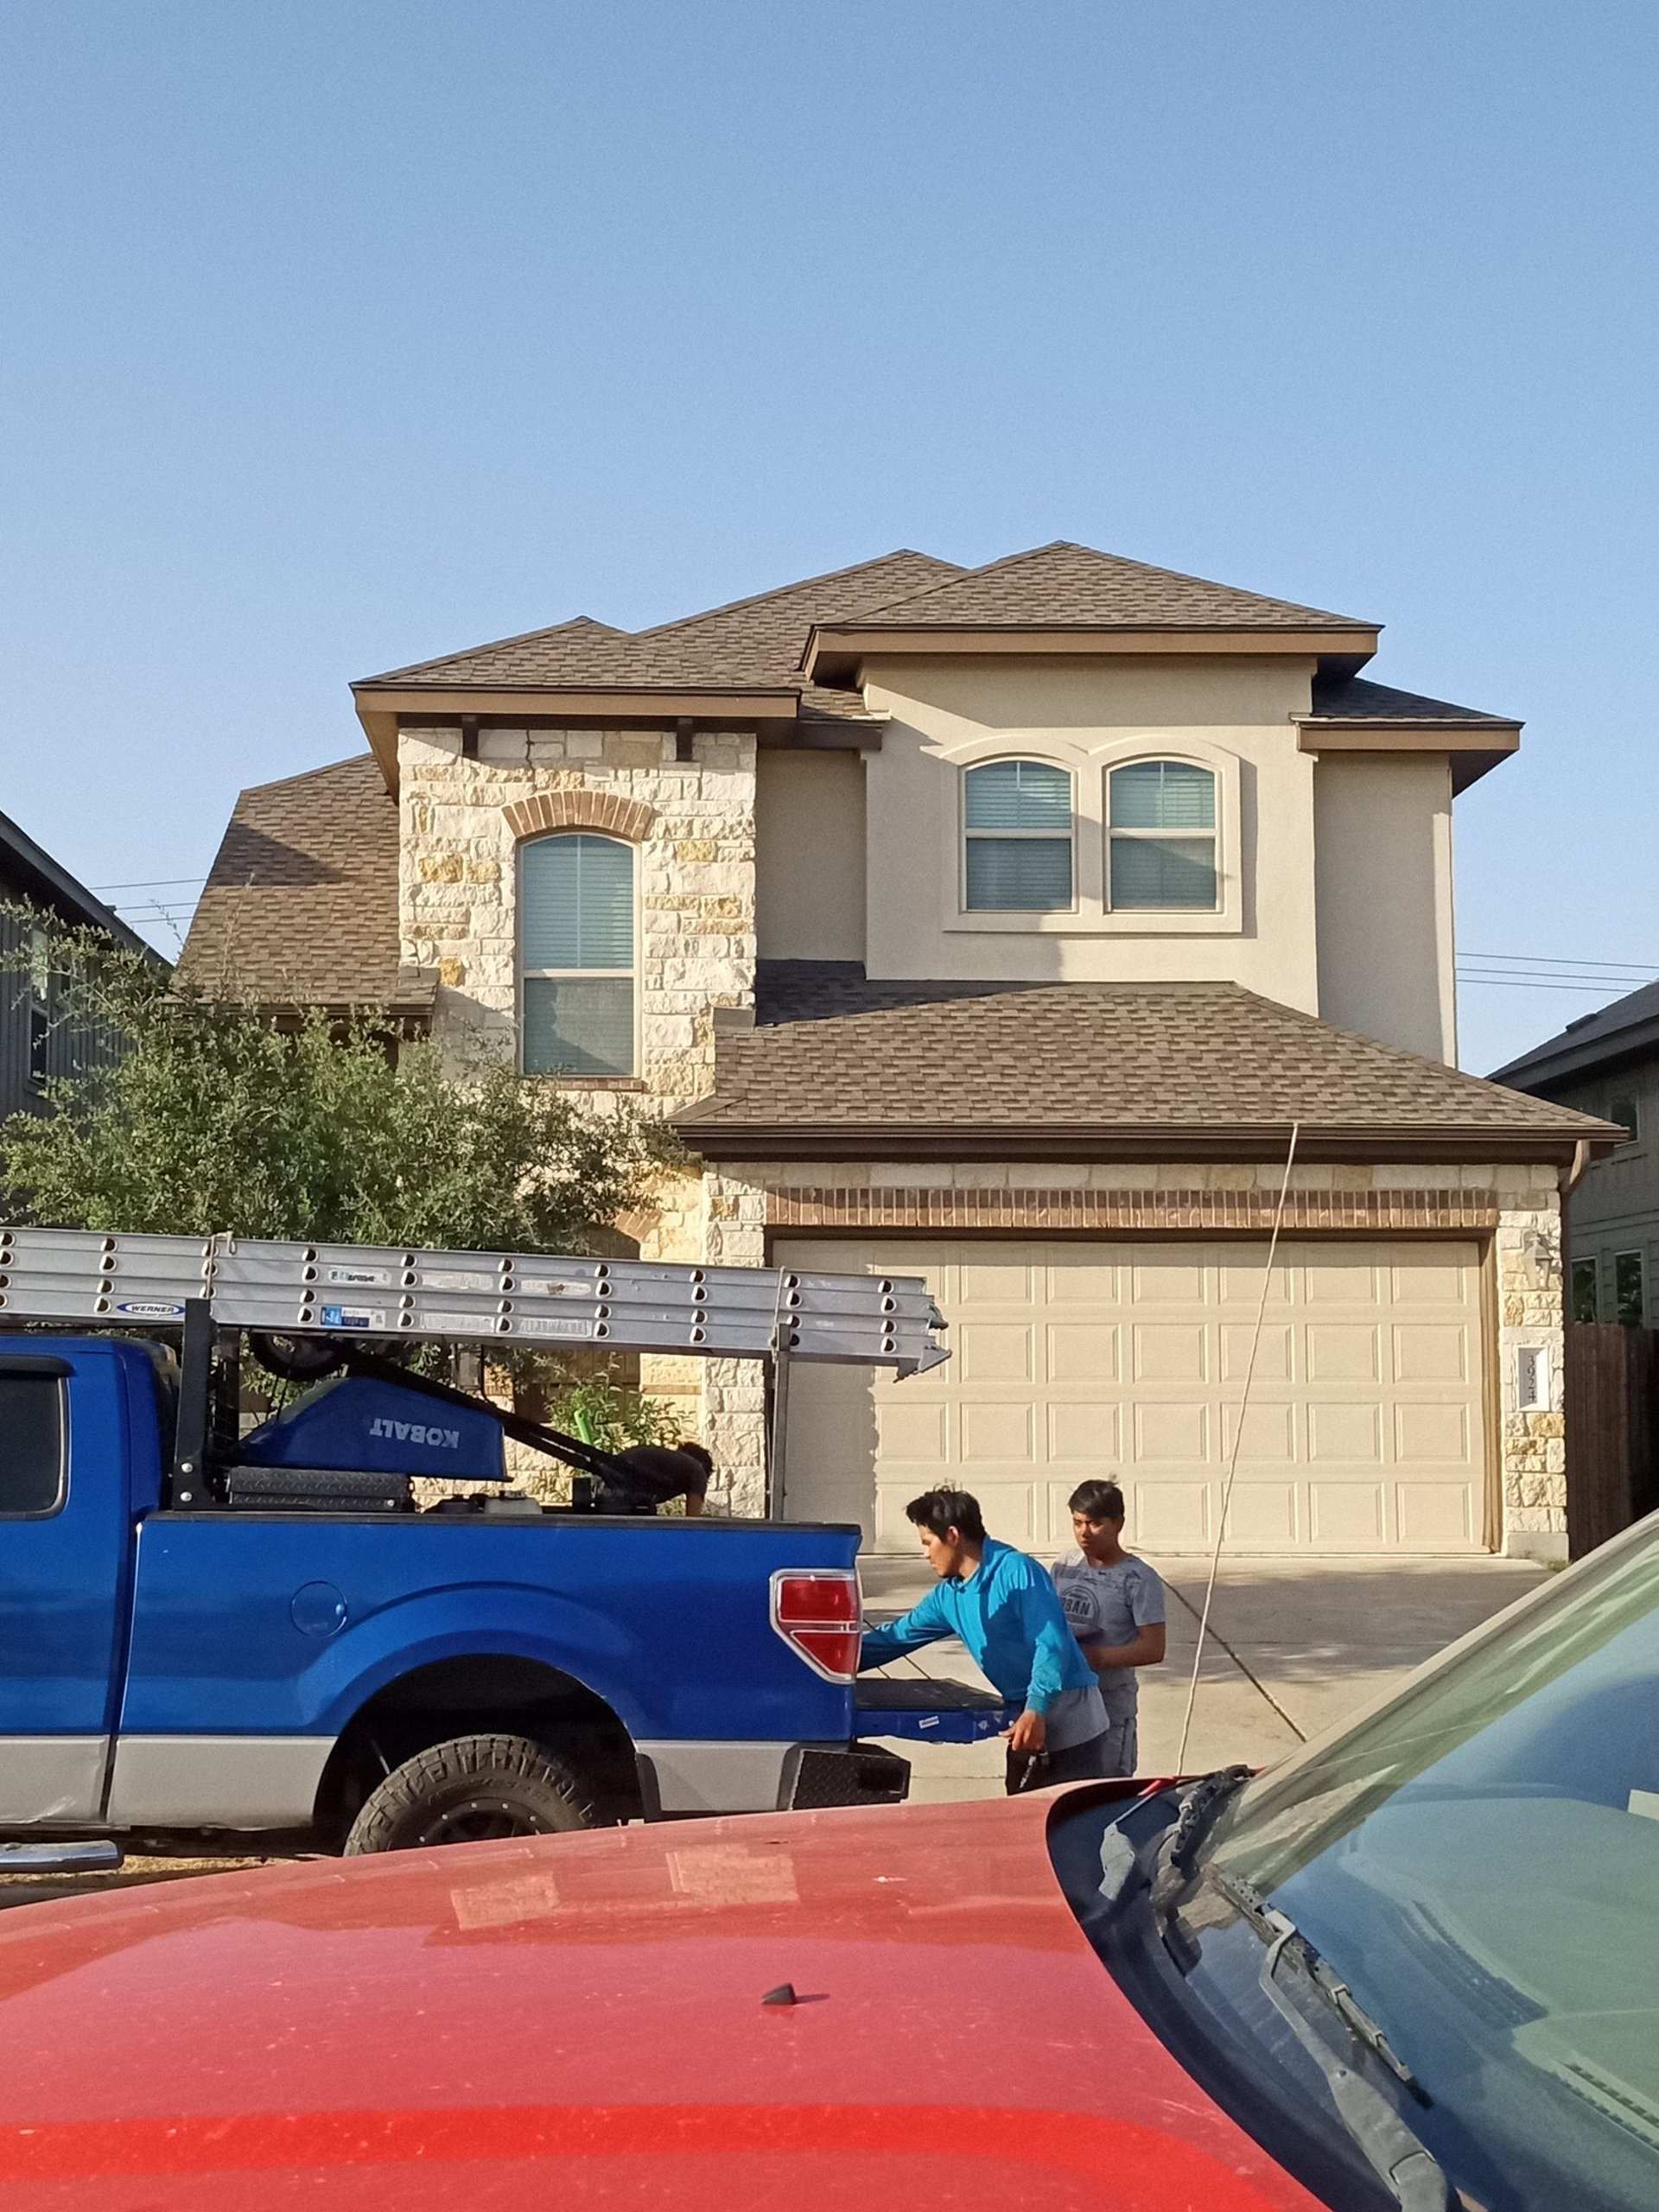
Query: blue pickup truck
{"x": 301, "y": 1647}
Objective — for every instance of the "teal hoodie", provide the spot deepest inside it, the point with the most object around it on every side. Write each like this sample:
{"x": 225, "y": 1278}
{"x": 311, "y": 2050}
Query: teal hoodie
{"x": 1011, "y": 1619}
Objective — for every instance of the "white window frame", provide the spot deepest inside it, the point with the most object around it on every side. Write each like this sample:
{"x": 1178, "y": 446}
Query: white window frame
{"x": 1033, "y": 837}
{"x": 1145, "y": 836}
{"x": 1088, "y": 765}
{"x": 522, "y": 975}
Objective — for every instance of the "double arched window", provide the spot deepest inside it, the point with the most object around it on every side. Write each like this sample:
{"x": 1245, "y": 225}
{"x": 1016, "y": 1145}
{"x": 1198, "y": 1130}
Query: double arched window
{"x": 576, "y": 955}
{"x": 1160, "y": 834}
{"x": 1017, "y": 827}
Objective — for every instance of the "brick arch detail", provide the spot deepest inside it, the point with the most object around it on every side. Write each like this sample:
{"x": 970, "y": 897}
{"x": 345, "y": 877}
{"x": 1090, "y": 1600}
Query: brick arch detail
{"x": 605, "y": 811}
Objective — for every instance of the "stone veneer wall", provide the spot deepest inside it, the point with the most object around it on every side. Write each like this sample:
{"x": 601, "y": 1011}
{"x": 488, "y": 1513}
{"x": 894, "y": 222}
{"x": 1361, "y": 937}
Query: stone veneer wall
{"x": 1518, "y": 1207}
{"x": 692, "y": 824}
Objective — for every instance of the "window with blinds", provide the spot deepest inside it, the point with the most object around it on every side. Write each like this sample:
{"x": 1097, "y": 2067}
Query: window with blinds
{"x": 1161, "y": 837}
{"x": 1017, "y": 837}
{"x": 575, "y": 955}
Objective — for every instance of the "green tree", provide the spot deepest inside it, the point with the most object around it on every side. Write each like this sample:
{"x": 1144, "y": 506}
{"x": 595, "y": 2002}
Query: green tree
{"x": 213, "y": 1119}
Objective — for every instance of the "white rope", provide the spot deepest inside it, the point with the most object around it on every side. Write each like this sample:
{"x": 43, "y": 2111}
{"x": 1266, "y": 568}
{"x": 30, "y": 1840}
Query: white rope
{"x": 1238, "y": 1438}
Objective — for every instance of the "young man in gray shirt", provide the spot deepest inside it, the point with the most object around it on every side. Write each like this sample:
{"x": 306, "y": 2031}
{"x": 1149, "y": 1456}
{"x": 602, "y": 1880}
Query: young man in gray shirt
{"x": 1115, "y": 1603}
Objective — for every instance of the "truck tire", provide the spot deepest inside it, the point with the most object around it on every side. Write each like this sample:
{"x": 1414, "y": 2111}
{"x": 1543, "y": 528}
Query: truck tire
{"x": 471, "y": 1790}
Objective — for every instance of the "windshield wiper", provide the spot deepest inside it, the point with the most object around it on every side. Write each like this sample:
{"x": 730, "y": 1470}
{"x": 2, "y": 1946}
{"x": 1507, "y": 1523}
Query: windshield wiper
{"x": 1303, "y": 1989}
{"x": 1175, "y": 1863}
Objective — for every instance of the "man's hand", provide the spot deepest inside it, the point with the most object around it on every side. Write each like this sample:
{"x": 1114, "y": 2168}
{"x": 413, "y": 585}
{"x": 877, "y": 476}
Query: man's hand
{"x": 1028, "y": 1735}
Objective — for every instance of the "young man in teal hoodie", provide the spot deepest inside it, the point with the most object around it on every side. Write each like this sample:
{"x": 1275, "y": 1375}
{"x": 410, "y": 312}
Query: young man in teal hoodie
{"x": 1004, "y": 1608}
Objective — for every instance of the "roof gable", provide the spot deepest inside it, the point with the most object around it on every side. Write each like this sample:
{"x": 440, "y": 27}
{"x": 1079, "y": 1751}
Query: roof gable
{"x": 1065, "y": 585}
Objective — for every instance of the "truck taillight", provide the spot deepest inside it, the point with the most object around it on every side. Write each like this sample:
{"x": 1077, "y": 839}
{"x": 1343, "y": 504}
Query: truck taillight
{"x": 817, "y": 1612}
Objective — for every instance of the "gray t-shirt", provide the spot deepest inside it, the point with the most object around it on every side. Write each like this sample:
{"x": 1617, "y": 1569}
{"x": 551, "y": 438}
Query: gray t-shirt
{"x": 1110, "y": 1605}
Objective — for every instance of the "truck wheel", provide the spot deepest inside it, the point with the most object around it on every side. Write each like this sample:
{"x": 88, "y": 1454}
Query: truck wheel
{"x": 473, "y": 1789}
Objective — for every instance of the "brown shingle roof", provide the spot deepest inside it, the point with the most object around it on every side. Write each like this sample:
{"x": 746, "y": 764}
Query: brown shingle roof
{"x": 978, "y": 1069}
{"x": 301, "y": 908}
{"x": 1065, "y": 586}
{"x": 1355, "y": 699}
{"x": 751, "y": 644}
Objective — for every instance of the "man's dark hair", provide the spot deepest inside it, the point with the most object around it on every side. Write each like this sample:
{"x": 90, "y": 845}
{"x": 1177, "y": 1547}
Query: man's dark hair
{"x": 942, "y": 1510}
{"x": 704, "y": 1459}
{"x": 1096, "y": 1501}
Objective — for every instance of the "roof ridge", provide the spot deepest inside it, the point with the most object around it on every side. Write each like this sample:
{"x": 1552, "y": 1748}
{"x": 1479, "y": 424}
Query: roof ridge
{"x": 1117, "y": 561}
{"x": 493, "y": 644}
{"x": 305, "y": 775}
{"x": 802, "y": 583}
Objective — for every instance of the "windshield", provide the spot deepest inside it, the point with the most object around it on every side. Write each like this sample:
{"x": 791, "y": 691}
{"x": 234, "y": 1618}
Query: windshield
{"x": 1479, "y": 1861}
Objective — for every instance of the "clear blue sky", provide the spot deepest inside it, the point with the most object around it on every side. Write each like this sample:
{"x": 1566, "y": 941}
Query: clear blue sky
{"x": 337, "y": 334}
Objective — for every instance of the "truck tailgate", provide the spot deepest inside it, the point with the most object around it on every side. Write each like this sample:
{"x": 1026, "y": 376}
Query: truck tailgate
{"x": 929, "y": 1711}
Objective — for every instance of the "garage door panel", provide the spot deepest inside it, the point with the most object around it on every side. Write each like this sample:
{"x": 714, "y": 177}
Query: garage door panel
{"x": 1431, "y": 1351}
{"x": 1339, "y": 1282}
{"x": 1430, "y": 1515}
{"x": 1178, "y": 1431}
{"x": 1173, "y": 1514}
{"x": 1264, "y": 1515}
{"x": 1239, "y": 1285}
{"x": 1074, "y": 1359}
{"x": 1169, "y": 1276}
{"x": 1171, "y": 1352}
{"x": 1083, "y": 1352}
{"x": 1431, "y": 1282}
{"x": 1344, "y": 1351}
{"x": 1085, "y": 1434}
{"x": 1345, "y": 1432}
{"x": 908, "y": 1430}
{"x": 995, "y": 1282}
{"x": 1268, "y": 1433}
{"x": 1426, "y": 1435}
{"x": 992, "y": 1433}
{"x": 993, "y": 1351}
{"x": 1275, "y": 1353}
{"x": 1347, "y": 1515}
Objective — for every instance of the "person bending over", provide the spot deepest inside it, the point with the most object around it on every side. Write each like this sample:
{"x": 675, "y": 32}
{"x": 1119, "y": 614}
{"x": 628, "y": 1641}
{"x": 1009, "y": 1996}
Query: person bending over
{"x": 1003, "y": 1606}
{"x": 648, "y": 1476}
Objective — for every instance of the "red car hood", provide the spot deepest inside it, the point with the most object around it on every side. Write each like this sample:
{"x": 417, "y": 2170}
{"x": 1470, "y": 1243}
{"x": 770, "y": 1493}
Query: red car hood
{"x": 576, "y": 2023}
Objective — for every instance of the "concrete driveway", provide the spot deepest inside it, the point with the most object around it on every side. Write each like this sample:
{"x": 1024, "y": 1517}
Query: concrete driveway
{"x": 1294, "y": 1643}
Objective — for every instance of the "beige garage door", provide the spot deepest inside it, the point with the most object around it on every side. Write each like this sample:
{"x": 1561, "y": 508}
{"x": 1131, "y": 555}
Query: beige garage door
{"x": 1365, "y": 1427}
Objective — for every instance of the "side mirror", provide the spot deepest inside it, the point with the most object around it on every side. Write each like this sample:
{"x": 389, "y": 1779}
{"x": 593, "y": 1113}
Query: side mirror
{"x": 60, "y": 1857}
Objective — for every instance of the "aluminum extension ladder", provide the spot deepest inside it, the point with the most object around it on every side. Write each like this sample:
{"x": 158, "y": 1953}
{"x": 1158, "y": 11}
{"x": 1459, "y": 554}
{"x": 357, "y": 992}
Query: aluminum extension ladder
{"x": 523, "y": 1299}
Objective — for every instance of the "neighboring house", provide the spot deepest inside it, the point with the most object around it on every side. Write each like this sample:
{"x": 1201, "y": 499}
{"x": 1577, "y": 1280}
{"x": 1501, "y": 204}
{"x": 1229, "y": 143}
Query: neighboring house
{"x": 996, "y": 924}
{"x": 1607, "y": 1063}
{"x": 37, "y": 1044}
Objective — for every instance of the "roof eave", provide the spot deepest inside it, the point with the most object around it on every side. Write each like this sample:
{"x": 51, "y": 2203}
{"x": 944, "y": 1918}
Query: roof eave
{"x": 835, "y": 653}
{"x": 1586, "y": 1056}
{"x": 382, "y": 707}
{"x": 1144, "y": 1143}
{"x": 47, "y": 880}
{"x": 1474, "y": 749}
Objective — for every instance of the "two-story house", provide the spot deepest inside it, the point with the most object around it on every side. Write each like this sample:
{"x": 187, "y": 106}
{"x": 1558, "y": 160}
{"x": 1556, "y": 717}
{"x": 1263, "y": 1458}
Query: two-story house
{"x": 1607, "y": 1063}
{"x": 38, "y": 1042}
{"x": 1000, "y": 924}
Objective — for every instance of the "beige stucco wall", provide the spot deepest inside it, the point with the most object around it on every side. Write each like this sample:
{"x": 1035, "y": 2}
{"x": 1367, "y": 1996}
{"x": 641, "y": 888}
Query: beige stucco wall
{"x": 809, "y": 841}
{"x": 1382, "y": 832}
{"x": 1088, "y": 714}
{"x": 1526, "y": 1304}
{"x": 694, "y": 880}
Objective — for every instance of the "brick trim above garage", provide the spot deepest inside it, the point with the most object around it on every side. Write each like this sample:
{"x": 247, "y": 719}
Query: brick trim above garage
{"x": 581, "y": 809}
{"x": 1141, "y": 1213}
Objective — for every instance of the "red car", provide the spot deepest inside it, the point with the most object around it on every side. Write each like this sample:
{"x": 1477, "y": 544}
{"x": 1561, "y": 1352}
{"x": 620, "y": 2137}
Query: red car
{"x": 1417, "y": 1964}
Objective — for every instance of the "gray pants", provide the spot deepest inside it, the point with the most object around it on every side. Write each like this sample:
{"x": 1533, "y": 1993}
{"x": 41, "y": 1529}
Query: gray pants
{"x": 1102, "y": 1758}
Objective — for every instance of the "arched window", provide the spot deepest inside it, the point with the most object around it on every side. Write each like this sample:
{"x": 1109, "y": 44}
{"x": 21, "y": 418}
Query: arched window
{"x": 1017, "y": 835}
{"x": 1161, "y": 832}
{"x": 575, "y": 955}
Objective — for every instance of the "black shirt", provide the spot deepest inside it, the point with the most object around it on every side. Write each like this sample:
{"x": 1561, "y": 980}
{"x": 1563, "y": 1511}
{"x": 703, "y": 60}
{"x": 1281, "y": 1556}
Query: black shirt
{"x": 647, "y": 1476}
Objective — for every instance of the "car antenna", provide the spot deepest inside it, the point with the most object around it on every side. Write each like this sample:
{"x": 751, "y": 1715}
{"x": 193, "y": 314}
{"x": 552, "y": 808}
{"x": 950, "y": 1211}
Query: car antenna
{"x": 1238, "y": 1438}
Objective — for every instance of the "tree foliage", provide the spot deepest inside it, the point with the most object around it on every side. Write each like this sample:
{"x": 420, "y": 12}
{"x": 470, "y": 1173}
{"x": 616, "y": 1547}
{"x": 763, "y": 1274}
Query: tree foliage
{"x": 214, "y": 1120}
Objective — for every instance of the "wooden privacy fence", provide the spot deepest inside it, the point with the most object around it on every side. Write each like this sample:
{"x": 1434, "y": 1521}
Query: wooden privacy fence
{"x": 1612, "y": 1470}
